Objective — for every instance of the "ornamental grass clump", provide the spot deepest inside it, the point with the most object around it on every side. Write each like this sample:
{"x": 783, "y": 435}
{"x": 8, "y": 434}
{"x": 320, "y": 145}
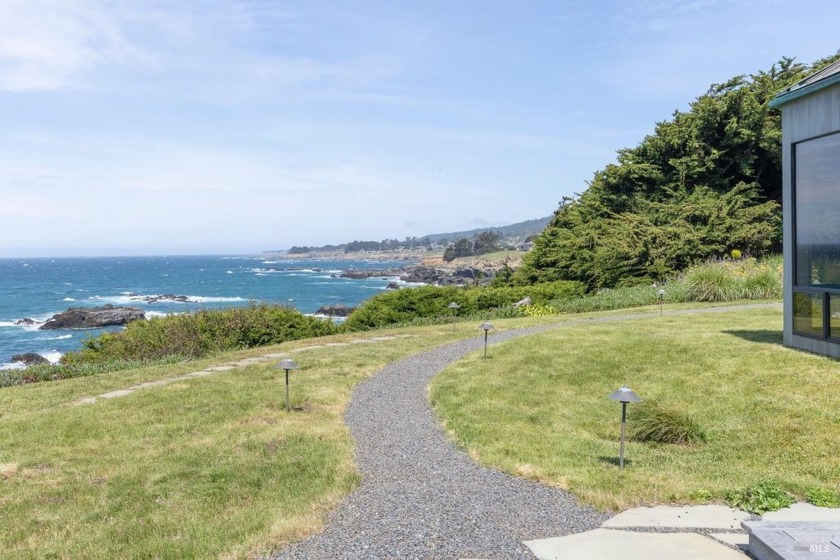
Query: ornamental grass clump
{"x": 653, "y": 423}
{"x": 734, "y": 280}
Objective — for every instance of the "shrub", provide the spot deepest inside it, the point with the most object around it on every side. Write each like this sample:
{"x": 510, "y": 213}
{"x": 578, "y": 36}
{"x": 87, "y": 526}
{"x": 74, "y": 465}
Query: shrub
{"x": 193, "y": 335}
{"x": 761, "y": 498}
{"x": 620, "y": 298}
{"x": 651, "y": 422}
{"x": 539, "y": 310}
{"x": 407, "y": 305}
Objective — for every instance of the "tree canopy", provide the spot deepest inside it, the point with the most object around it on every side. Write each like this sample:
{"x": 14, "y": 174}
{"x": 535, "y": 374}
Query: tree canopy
{"x": 705, "y": 182}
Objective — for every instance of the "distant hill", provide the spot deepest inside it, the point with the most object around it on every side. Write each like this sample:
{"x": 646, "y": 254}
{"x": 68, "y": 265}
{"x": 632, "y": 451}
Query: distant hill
{"x": 514, "y": 232}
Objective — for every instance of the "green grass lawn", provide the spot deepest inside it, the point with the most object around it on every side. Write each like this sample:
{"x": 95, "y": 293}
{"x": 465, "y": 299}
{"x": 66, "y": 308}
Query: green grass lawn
{"x": 538, "y": 408}
{"x": 212, "y": 467}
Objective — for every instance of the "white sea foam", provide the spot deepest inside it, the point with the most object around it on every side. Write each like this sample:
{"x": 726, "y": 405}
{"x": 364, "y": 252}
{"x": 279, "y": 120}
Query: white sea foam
{"x": 327, "y": 317}
{"x": 13, "y": 365}
{"x": 53, "y": 356}
{"x": 68, "y": 299}
{"x": 150, "y": 314}
{"x": 201, "y": 299}
{"x": 62, "y": 337}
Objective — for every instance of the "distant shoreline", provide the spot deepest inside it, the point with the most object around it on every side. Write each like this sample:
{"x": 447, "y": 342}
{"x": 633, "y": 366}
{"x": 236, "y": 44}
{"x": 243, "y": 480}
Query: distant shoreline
{"x": 412, "y": 257}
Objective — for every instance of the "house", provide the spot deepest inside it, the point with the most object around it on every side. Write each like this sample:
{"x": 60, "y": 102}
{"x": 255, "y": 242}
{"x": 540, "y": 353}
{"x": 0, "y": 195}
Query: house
{"x": 811, "y": 203}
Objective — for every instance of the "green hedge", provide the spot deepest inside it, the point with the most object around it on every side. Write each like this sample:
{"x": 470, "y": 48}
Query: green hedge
{"x": 192, "y": 335}
{"x": 408, "y": 304}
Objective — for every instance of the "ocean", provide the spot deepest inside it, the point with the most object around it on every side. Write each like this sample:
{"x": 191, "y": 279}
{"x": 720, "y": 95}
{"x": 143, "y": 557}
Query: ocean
{"x": 38, "y": 288}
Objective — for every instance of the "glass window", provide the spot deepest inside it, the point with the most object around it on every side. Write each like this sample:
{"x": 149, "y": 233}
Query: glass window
{"x": 834, "y": 315}
{"x": 817, "y": 212}
{"x": 808, "y": 314}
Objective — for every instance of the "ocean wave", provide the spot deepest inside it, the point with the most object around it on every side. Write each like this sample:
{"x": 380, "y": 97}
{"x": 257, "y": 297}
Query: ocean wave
{"x": 53, "y": 356}
{"x": 12, "y": 365}
{"x": 69, "y": 299}
{"x": 62, "y": 337}
{"x": 150, "y": 314}
{"x": 39, "y": 320}
{"x": 133, "y": 299}
{"x": 327, "y": 317}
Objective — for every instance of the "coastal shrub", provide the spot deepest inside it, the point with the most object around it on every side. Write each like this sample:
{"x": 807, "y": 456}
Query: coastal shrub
{"x": 39, "y": 373}
{"x": 651, "y": 422}
{"x": 761, "y": 498}
{"x": 193, "y": 335}
{"x": 620, "y": 298}
{"x": 409, "y": 304}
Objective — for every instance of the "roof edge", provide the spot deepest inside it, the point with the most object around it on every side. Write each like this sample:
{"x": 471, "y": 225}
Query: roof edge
{"x": 796, "y": 91}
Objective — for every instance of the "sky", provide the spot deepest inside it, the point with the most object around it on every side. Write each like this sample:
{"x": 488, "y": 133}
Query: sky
{"x": 142, "y": 127}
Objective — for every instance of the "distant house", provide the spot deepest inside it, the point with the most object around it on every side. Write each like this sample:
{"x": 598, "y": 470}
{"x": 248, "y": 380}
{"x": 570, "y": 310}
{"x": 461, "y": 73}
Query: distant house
{"x": 811, "y": 203}
{"x": 525, "y": 246}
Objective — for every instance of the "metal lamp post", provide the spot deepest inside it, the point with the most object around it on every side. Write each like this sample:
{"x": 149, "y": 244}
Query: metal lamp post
{"x": 454, "y": 307}
{"x": 661, "y": 301}
{"x": 486, "y": 326}
{"x": 624, "y": 395}
{"x": 287, "y": 364}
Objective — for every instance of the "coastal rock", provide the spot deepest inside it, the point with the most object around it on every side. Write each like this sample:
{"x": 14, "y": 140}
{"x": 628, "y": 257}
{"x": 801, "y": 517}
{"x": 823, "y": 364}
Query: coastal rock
{"x": 392, "y": 286}
{"x": 422, "y": 274}
{"x": 30, "y": 359}
{"x": 26, "y": 321}
{"x": 524, "y": 302}
{"x": 165, "y": 297}
{"x": 335, "y": 310}
{"x": 365, "y": 274}
{"x": 457, "y": 276}
{"x": 93, "y": 317}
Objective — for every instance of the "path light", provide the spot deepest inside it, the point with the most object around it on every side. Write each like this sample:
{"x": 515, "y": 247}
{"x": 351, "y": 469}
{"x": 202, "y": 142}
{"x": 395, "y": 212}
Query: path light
{"x": 661, "y": 301}
{"x": 624, "y": 395}
{"x": 287, "y": 364}
{"x": 454, "y": 307}
{"x": 486, "y": 326}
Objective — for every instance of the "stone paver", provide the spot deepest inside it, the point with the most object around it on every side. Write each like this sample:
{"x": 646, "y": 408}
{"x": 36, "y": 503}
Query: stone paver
{"x": 740, "y": 540}
{"x": 607, "y": 544}
{"x": 116, "y": 394}
{"x": 803, "y": 512}
{"x": 245, "y": 362}
{"x": 697, "y": 517}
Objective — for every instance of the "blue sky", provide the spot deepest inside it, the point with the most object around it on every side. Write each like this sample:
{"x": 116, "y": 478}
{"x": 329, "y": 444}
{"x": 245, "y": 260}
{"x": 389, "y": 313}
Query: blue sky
{"x": 222, "y": 126}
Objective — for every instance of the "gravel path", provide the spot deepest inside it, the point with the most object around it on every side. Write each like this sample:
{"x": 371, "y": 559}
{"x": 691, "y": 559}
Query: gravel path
{"x": 420, "y": 496}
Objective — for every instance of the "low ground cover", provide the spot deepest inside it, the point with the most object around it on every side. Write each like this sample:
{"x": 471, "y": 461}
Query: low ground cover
{"x": 538, "y": 408}
{"x": 207, "y": 468}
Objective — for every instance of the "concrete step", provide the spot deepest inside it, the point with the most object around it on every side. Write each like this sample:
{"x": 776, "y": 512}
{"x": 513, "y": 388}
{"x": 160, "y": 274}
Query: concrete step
{"x": 793, "y": 540}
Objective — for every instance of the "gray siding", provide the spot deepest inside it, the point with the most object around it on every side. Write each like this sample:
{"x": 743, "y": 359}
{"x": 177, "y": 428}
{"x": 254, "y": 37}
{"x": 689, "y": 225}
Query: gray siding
{"x": 807, "y": 117}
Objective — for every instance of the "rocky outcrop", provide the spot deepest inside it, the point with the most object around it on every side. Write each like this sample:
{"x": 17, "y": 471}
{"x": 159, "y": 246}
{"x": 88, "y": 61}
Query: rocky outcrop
{"x": 335, "y": 310}
{"x": 365, "y": 274}
{"x": 26, "y": 321}
{"x": 93, "y": 317}
{"x": 165, "y": 297}
{"x": 392, "y": 286}
{"x": 458, "y": 276}
{"x": 30, "y": 359}
{"x": 524, "y": 302}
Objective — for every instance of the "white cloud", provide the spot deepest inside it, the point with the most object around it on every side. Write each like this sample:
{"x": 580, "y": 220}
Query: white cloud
{"x": 50, "y": 44}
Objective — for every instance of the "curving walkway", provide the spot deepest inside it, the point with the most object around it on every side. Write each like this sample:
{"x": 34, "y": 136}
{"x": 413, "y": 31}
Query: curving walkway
{"x": 420, "y": 496}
